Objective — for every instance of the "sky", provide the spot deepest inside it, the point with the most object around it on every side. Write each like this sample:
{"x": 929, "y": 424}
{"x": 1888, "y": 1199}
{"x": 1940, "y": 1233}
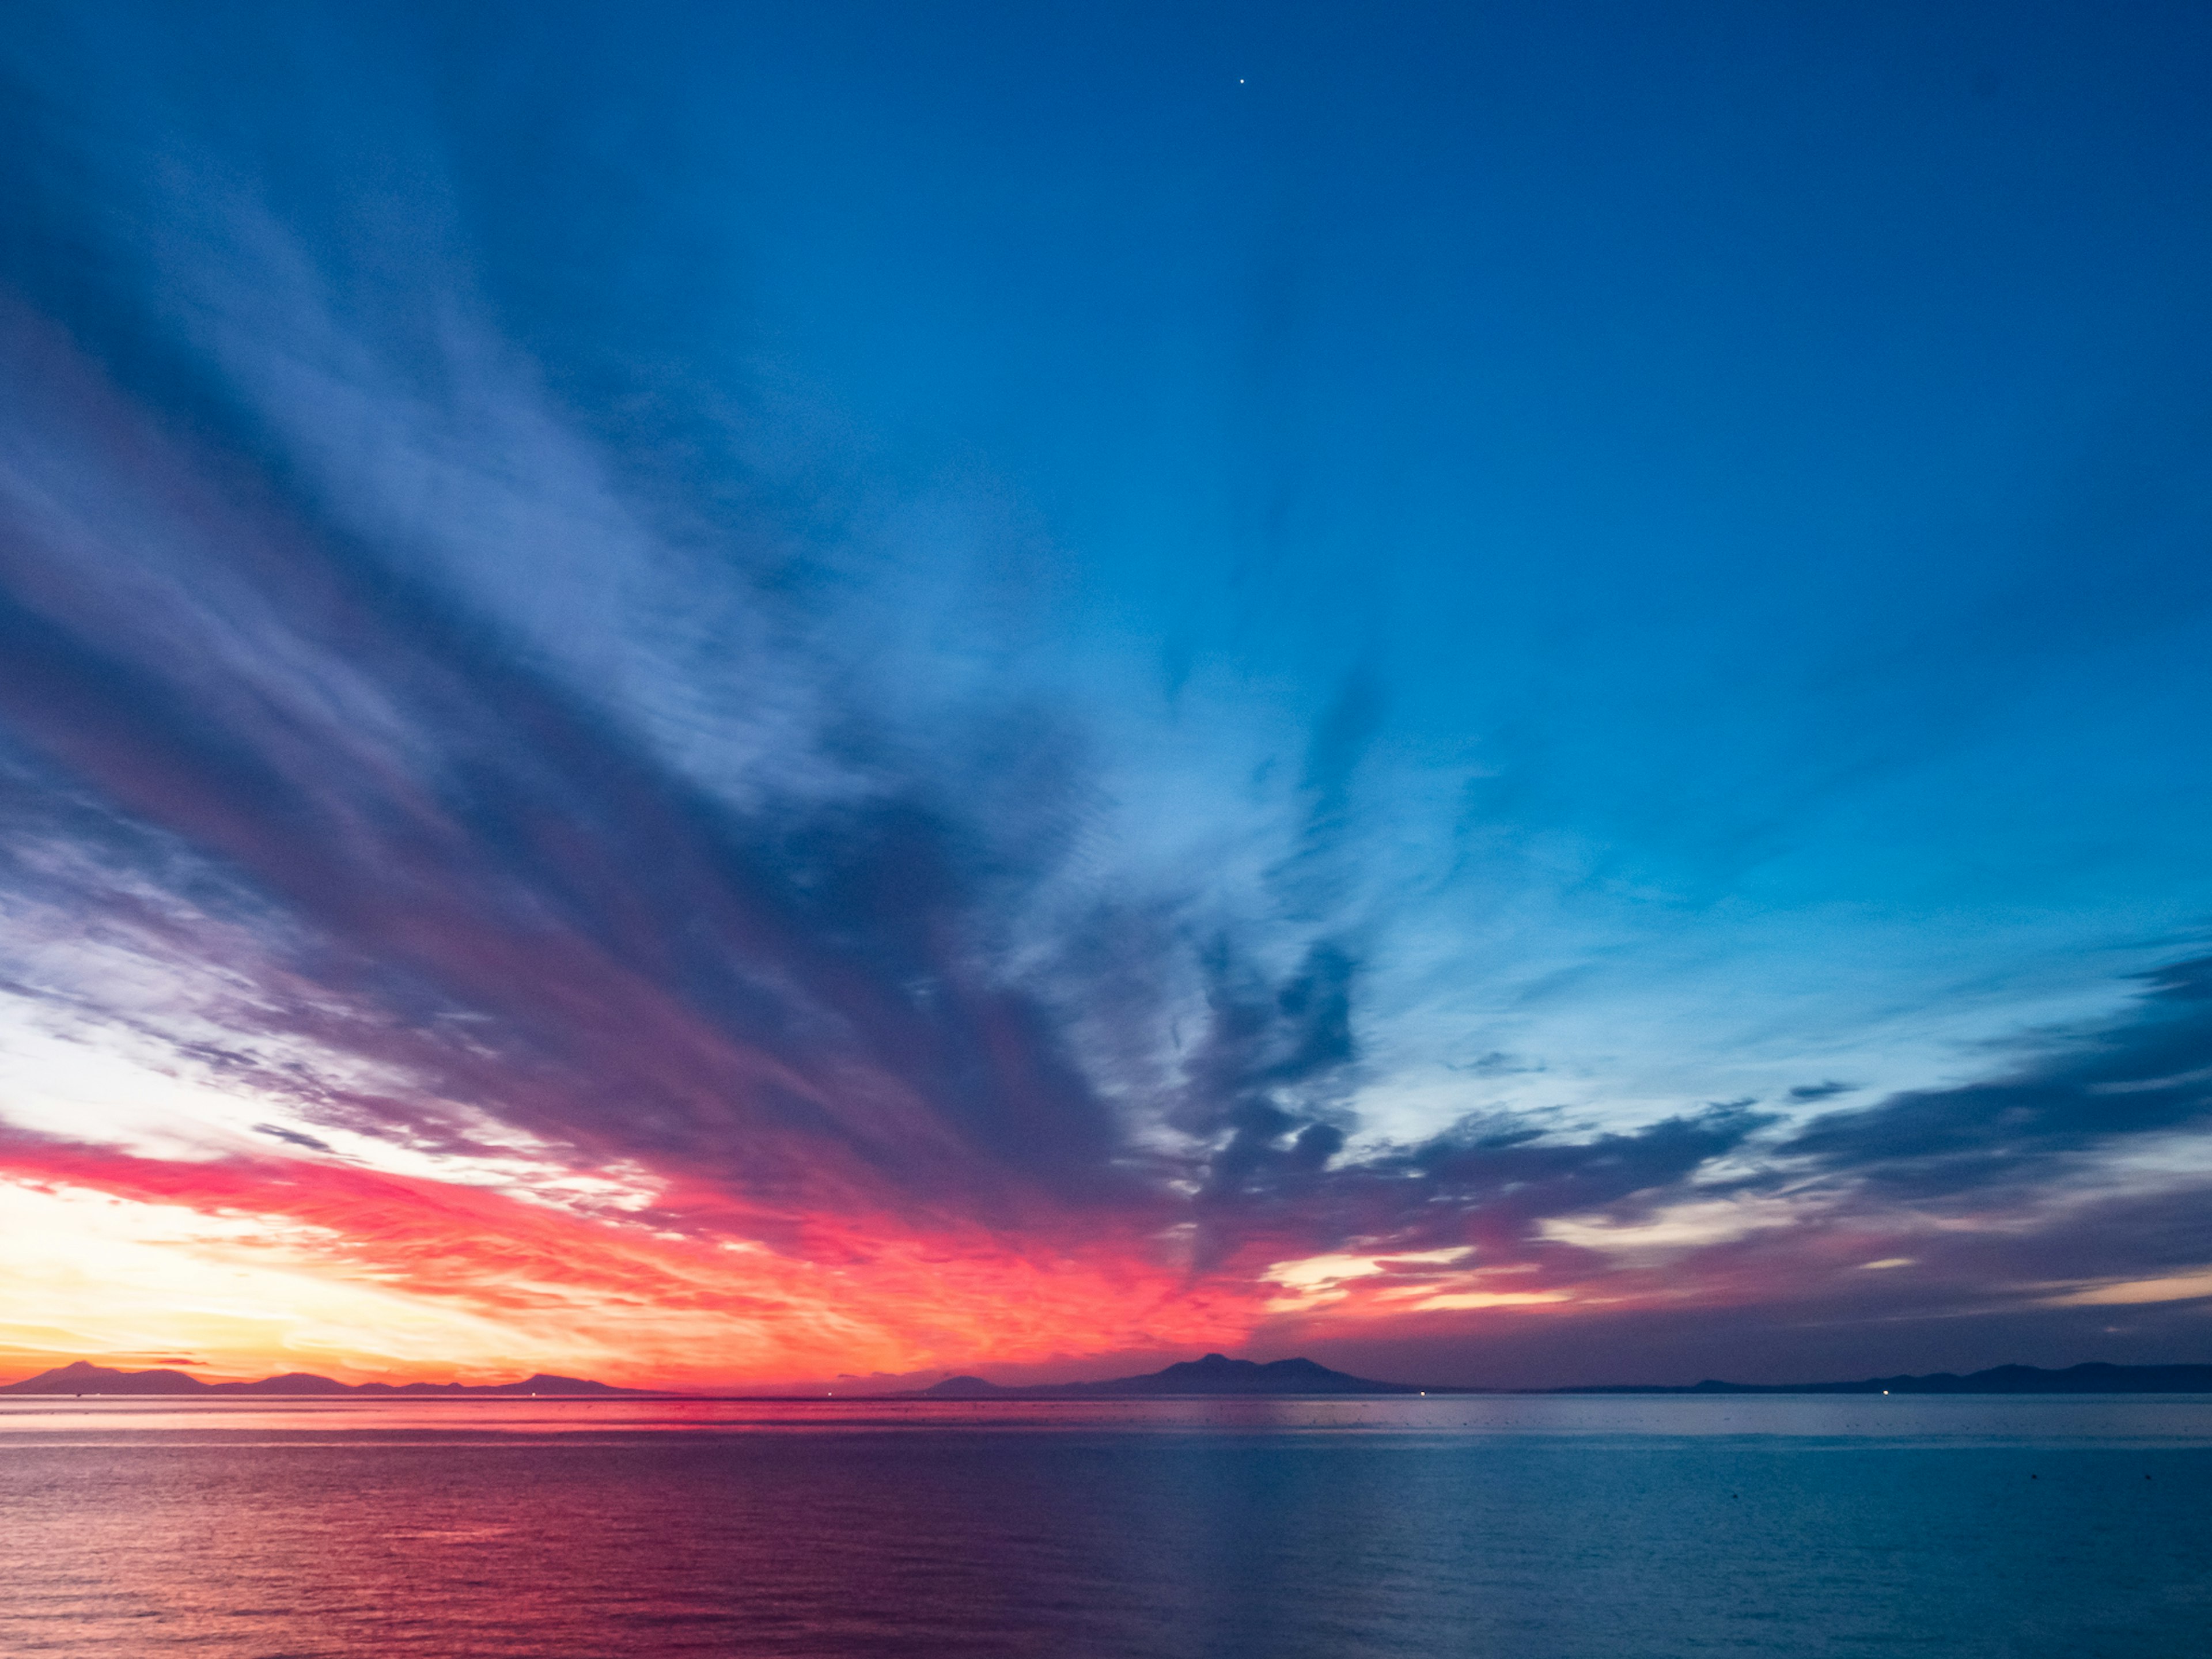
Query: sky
{"x": 759, "y": 696}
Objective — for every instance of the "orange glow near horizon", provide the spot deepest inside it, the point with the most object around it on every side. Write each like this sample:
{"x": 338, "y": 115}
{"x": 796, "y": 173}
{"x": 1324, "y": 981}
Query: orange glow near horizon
{"x": 249, "y": 1268}
{"x": 246, "y": 1267}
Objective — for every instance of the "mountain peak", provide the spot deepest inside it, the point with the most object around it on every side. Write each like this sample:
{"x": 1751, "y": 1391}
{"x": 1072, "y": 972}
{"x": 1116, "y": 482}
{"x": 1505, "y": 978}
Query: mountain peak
{"x": 83, "y": 1376}
{"x": 1214, "y": 1374}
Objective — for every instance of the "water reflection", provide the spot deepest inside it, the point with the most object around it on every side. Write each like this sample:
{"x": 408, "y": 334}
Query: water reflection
{"x": 2176, "y": 1420}
{"x": 1276, "y": 1529}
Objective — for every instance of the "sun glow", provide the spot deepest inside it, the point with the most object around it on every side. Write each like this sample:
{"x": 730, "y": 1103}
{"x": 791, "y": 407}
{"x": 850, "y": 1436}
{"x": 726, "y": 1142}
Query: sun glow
{"x": 365, "y": 1276}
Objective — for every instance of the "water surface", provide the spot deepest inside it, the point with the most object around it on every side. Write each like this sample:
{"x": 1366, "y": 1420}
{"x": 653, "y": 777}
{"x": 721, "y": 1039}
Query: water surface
{"x": 1612, "y": 1528}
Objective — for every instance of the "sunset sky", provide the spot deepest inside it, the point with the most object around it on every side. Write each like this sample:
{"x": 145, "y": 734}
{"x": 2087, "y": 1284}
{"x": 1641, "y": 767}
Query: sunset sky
{"x": 736, "y": 694}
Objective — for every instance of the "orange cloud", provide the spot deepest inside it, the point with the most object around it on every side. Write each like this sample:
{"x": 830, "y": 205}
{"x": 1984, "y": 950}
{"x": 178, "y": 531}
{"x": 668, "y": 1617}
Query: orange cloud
{"x": 277, "y": 1264}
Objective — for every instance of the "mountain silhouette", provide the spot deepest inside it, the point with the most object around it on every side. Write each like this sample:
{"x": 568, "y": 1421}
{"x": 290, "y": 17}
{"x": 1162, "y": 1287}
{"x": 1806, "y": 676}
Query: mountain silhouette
{"x": 2096, "y": 1377}
{"x": 83, "y": 1377}
{"x": 1216, "y": 1374}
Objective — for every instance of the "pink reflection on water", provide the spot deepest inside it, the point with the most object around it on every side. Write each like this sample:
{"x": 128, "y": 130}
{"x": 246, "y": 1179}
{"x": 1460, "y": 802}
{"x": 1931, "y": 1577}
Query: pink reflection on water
{"x": 2174, "y": 1419}
{"x": 1401, "y": 1529}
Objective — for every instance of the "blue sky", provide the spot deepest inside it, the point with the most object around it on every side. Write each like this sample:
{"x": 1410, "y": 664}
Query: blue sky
{"x": 1390, "y": 572}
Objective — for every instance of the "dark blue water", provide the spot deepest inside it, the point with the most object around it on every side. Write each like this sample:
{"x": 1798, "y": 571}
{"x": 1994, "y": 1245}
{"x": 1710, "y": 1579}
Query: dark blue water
{"x": 1531, "y": 1529}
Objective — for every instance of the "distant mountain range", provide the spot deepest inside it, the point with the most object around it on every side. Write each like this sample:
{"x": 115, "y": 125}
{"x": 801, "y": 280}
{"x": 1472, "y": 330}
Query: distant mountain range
{"x": 1214, "y": 1374}
{"x": 83, "y": 1377}
{"x": 2095, "y": 1377}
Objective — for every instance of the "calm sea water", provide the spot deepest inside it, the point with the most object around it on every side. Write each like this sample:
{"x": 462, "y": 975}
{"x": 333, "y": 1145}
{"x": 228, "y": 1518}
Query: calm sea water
{"x": 1609, "y": 1528}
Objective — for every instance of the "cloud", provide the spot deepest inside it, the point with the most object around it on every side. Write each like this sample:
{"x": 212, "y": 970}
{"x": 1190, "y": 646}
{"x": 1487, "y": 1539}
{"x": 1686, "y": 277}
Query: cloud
{"x": 1489, "y": 1182}
{"x": 390, "y": 881}
{"x": 487, "y": 880}
{"x": 2148, "y": 1073}
{"x": 1672, "y": 1230}
{"x": 2180, "y": 1287}
{"x": 1270, "y": 1073}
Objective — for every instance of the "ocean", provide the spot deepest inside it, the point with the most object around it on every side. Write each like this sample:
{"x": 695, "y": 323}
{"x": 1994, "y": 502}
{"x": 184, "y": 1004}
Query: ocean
{"x": 1526, "y": 1528}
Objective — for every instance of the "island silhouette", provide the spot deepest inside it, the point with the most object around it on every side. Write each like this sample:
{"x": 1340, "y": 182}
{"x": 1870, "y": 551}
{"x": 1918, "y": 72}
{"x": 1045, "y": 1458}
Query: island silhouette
{"x": 1213, "y": 1376}
{"x": 81, "y": 1376}
{"x": 1216, "y": 1374}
